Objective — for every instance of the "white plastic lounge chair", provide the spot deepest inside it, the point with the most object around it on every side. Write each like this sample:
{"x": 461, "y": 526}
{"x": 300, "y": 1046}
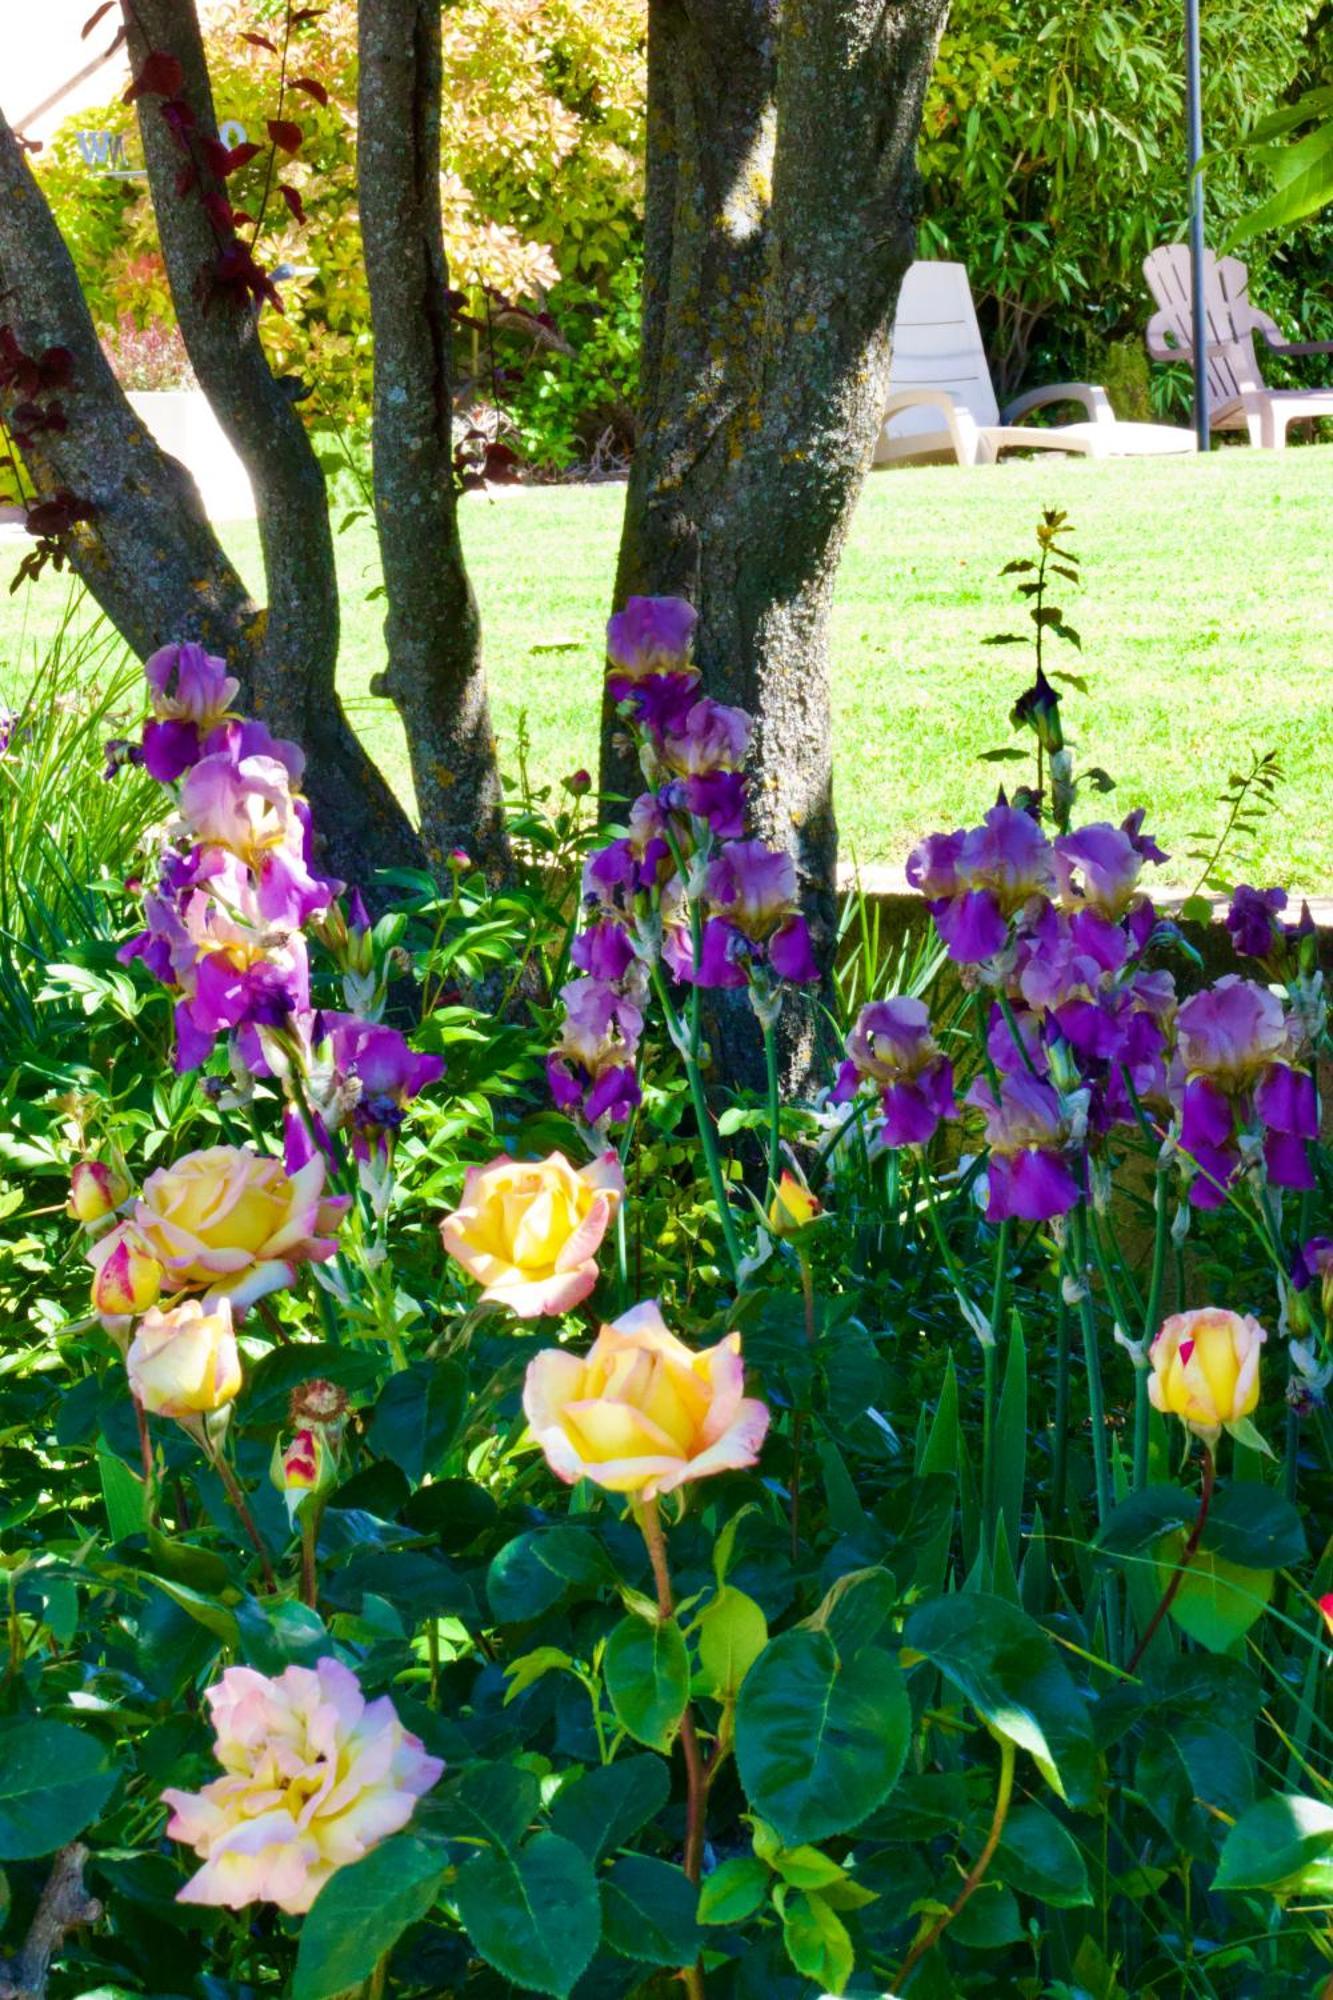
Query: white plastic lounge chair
{"x": 1238, "y": 398}
{"x": 942, "y": 402}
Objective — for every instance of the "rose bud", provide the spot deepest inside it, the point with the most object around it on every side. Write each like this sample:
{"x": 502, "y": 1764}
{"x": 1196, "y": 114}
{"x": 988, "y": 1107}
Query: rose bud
{"x": 184, "y": 1363}
{"x": 1206, "y": 1369}
{"x": 793, "y": 1207}
{"x": 127, "y": 1278}
{"x": 96, "y": 1190}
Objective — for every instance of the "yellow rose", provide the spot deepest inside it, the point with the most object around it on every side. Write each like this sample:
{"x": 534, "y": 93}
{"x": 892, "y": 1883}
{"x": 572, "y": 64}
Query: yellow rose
{"x": 642, "y": 1413}
{"x": 127, "y": 1277}
{"x": 792, "y": 1207}
{"x": 529, "y": 1230}
{"x": 184, "y": 1363}
{"x": 1206, "y": 1368}
{"x": 235, "y": 1224}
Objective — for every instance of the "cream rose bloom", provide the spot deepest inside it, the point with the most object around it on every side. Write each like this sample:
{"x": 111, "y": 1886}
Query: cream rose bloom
{"x": 529, "y": 1230}
{"x": 642, "y": 1413}
{"x": 314, "y": 1777}
{"x": 184, "y": 1363}
{"x": 235, "y": 1224}
{"x": 1206, "y": 1368}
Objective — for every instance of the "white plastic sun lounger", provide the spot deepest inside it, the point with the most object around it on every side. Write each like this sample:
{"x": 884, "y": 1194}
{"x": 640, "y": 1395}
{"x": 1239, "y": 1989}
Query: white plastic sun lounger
{"x": 942, "y": 404}
{"x": 1238, "y": 397}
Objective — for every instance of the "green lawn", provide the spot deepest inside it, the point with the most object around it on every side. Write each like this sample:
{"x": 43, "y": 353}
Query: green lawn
{"x": 1206, "y": 617}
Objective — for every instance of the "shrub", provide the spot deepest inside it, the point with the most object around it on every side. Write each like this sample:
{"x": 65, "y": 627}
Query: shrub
{"x": 656, "y": 1533}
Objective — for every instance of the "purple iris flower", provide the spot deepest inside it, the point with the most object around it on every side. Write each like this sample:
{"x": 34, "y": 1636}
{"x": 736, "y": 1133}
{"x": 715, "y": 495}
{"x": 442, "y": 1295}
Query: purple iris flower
{"x": 592, "y": 1070}
{"x": 716, "y": 796}
{"x": 390, "y": 1074}
{"x": 603, "y": 950}
{"x": 709, "y": 736}
{"x": 1208, "y": 1139}
{"x": 652, "y": 635}
{"x": 1028, "y": 1174}
{"x": 975, "y": 881}
{"x": 752, "y": 891}
{"x": 1288, "y": 1103}
{"x": 1255, "y": 920}
{"x": 1231, "y": 1031}
{"x": 791, "y": 952}
{"x": 242, "y": 736}
{"x": 169, "y": 750}
{"x": 892, "y": 1048}
{"x": 1098, "y": 866}
{"x": 227, "y": 996}
{"x": 972, "y": 926}
{"x": 1010, "y": 1053}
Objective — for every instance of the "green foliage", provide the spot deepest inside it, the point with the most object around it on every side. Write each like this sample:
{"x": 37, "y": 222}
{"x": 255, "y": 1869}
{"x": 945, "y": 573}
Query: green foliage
{"x": 1053, "y": 155}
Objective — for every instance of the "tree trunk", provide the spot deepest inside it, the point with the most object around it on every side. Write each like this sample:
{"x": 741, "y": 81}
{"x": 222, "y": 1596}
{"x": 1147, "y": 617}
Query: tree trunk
{"x": 147, "y": 553}
{"x": 294, "y": 685}
{"x": 780, "y": 220}
{"x": 432, "y": 630}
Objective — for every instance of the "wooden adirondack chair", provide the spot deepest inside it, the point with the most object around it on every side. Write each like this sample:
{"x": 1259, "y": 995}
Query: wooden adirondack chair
{"x": 1238, "y": 397}
{"x": 942, "y": 403}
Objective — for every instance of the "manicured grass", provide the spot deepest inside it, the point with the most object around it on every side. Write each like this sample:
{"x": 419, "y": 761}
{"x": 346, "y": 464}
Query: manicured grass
{"x": 1206, "y": 618}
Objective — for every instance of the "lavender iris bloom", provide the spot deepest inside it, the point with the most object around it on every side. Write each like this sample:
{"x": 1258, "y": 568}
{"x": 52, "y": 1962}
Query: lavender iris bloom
{"x": 1028, "y": 1175}
{"x": 891, "y": 1047}
{"x": 652, "y": 635}
{"x": 1255, "y": 920}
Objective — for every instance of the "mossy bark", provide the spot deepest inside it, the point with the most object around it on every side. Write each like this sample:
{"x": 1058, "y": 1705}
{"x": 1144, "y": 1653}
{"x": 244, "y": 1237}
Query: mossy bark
{"x": 781, "y": 198}
{"x": 432, "y": 631}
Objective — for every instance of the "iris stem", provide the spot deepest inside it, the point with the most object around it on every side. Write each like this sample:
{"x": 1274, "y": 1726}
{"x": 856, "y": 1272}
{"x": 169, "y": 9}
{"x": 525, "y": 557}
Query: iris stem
{"x": 990, "y": 1371}
{"x": 1187, "y": 1555}
{"x": 1079, "y": 1274}
{"x": 689, "y": 1049}
{"x": 774, "y": 1106}
{"x": 1151, "y": 1322}
{"x": 1004, "y": 1792}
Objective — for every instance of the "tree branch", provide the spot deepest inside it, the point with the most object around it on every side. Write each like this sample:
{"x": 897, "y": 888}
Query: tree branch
{"x": 432, "y": 630}
{"x": 294, "y": 679}
{"x": 147, "y": 554}
{"x": 64, "y": 1905}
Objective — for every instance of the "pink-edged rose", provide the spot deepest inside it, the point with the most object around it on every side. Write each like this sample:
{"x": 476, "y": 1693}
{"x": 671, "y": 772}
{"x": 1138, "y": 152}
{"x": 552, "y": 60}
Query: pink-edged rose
{"x": 1206, "y": 1368}
{"x": 234, "y": 1224}
{"x": 529, "y": 1230}
{"x": 642, "y": 1413}
{"x": 314, "y": 1777}
{"x": 184, "y": 1363}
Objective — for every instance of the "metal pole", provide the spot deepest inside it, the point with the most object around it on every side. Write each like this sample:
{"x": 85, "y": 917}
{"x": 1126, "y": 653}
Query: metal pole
{"x": 1194, "y": 126}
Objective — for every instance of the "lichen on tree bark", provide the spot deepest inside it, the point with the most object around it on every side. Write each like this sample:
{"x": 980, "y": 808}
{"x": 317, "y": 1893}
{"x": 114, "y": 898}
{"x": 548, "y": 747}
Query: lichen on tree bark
{"x": 781, "y": 198}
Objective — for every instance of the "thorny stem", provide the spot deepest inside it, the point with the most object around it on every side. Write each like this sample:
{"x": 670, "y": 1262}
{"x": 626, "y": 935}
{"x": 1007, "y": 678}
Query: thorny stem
{"x": 696, "y": 1776}
{"x": 236, "y": 1494}
{"x": 976, "y": 1873}
{"x": 1187, "y": 1555}
{"x": 309, "y": 1572}
{"x": 145, "y": 1445}
{"x": 798, "y": 1420}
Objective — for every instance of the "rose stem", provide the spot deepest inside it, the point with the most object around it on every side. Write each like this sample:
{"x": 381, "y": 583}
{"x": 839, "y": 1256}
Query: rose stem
{"x": 696, "y": 1777}
{"x": 309, "y": 1576}
{"x": 243, "y": 1514}
{"x": 798, "y": 1418}
{"x": 145, "y": 1445}
{"x": 1187, "y": 1555}
{"x": 976, "y": 1873}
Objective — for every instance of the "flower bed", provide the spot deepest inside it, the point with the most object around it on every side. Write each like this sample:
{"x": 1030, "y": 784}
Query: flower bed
{"x": 492, "y": 1505}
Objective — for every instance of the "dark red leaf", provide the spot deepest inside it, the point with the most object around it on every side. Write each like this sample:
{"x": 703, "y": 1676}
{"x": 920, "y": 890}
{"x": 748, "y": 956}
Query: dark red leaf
{"x": 260, "y": 42}
{"x": 219, "y": 212}
{"x": 293, "y": 201}
{"x": 305, "y": 15}
{"x": 312, "y": 88}
{"x": 160, "y": 75}
{"x": 56, "y": 367}
{"x": 179, "y": 117}
{"x": 227, "y": 160}
{"x": 285, "y": 134}
{"x": 94, "y": 18}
